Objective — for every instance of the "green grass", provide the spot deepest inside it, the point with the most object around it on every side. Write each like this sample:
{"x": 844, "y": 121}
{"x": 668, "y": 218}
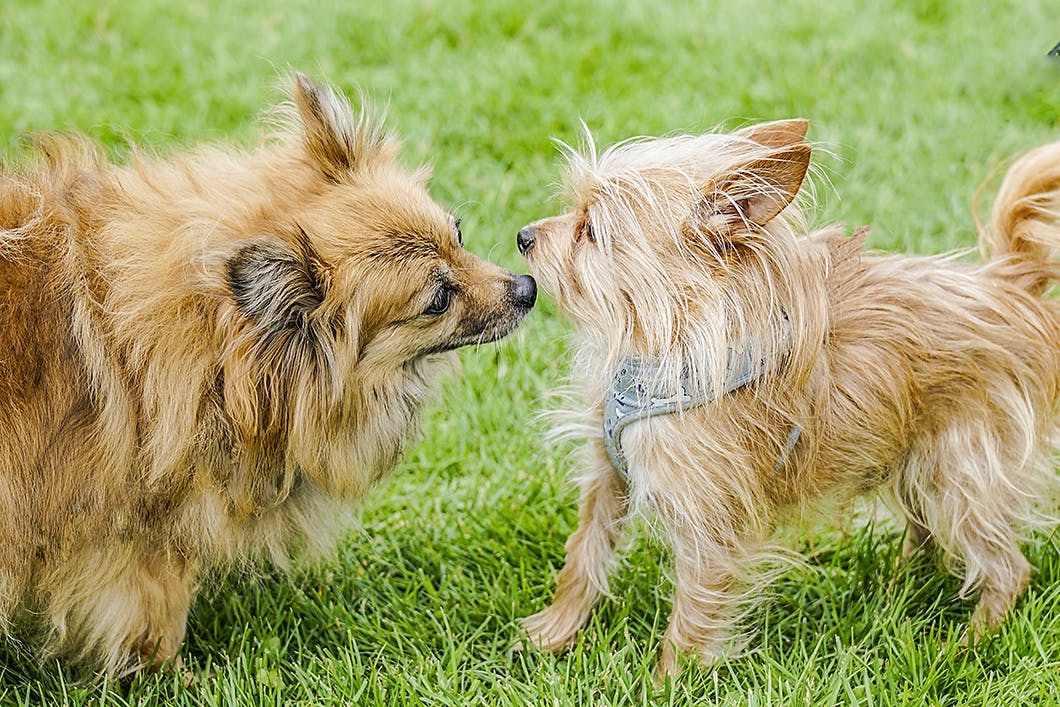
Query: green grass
{"x": 916, "y": 100}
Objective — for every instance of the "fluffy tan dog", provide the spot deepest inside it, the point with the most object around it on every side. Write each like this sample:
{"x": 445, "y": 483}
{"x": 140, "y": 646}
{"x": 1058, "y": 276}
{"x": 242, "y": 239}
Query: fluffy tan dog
{"x": 206, "y": 358}
{"x": 733, "y": 366}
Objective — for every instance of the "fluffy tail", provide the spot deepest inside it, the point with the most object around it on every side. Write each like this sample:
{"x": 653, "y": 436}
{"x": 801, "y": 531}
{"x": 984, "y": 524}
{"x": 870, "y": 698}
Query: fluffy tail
{"x": 1024, "y": 228}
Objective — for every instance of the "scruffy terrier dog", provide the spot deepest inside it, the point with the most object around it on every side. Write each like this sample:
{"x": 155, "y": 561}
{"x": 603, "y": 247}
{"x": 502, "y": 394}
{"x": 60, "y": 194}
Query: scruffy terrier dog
{"x": 208, "y": 358}
{"x": 733, "y": 366}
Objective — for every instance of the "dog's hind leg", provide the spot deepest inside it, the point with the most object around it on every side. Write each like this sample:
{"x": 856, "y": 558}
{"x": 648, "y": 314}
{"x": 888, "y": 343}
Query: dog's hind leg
{"x": 980, "y": 498}
{"x": 1003, "y": 584}
{"x": 917, "y": 536}
{"x": 908, "y": 491}
{"x": 583, "y": 579}
{"x": 917, "y": 533}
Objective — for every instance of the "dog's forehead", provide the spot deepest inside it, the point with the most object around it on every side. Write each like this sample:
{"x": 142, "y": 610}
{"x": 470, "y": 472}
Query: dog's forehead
{"x": 664, "y": 163}
{"x": 686, "y": 152}
{"x": 398, "y": 203}
{"x": 654, "y": 179}
{"x": 628, "y": 196}
{"x": 388, "y": 221}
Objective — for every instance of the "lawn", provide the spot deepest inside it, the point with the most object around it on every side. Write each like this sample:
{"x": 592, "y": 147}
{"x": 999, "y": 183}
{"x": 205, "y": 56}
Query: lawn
{"x": 916, "y": 102}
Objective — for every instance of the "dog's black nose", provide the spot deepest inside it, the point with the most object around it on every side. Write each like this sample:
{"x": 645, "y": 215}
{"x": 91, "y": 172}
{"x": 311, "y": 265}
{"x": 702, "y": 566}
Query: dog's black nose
{"x": 525, "y": 239}
{"x": 524, "y": 291}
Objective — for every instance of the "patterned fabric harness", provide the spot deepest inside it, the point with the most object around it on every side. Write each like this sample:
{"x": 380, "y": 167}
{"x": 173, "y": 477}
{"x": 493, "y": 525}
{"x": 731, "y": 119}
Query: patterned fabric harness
{"x": 635, "y": 395}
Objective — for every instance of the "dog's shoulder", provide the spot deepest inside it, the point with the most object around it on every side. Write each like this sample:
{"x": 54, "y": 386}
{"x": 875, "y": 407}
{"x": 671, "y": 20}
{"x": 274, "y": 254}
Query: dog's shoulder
{"x": 844, "y": 249}
{"x": 841, "y": 254}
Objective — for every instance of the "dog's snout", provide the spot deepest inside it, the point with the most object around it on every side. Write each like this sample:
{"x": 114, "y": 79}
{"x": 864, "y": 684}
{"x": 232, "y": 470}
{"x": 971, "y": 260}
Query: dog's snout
{"x": 525, "y": 239}
{"x": 523, "y": 291}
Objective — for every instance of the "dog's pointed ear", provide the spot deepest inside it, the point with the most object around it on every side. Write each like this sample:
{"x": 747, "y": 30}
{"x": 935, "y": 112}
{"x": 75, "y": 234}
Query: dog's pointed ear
{"x": 754, "y": 193}
{"x": 777, "y": 133}
{"x": 339, "y": 141}
{"x": 276, "y": 287}
{"x": 773, "y": 183}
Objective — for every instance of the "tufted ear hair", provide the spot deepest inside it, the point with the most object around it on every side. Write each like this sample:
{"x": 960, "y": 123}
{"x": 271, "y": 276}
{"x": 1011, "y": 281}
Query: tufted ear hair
{"x": 777, "y": 133}
{"x": 339, "y": 141}
{"x": 753, "y": 193}
{"x": 277, "y": 367}
{"x": 275, "y": 286}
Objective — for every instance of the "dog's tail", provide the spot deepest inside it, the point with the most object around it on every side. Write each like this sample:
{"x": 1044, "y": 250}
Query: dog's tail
{"x": 1024, "y": 228}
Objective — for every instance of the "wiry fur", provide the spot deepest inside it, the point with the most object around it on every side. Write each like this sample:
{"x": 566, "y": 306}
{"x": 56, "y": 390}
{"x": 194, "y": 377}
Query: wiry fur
{"x": 207, "y": 358}
{"x": 926, "y": 379}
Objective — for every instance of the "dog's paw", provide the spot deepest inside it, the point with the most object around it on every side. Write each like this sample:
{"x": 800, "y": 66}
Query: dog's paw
{"x": 548, "y": 630}
{"x": 673, "y": 661}
{"x": 667, "y": 669}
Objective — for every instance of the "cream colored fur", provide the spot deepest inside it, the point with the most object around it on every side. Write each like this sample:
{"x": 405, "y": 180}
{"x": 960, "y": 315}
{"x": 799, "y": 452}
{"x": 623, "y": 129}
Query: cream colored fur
{"x": 929, "y": 380}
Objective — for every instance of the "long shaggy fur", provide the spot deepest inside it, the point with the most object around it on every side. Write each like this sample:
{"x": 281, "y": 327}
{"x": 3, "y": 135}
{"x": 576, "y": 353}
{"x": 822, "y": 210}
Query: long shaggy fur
{"x": 207, "y": 358}
{"x": 925, "y": 379}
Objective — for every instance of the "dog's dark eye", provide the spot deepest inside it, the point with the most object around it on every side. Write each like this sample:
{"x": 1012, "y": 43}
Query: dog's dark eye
{"x": 441, "y": 301}
{"x": 587, "y": 231}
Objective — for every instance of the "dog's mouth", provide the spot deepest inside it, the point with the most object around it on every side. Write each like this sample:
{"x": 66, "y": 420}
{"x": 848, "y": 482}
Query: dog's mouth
{"x": 497, "y": 329}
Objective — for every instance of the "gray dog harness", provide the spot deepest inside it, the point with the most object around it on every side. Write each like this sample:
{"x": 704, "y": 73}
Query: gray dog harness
{"x": 635, "y": 394}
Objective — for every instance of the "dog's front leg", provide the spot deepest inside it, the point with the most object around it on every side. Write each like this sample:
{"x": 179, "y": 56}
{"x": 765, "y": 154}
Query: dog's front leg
{"x": 583, "y": 579}
{"x": 701, "y": 616}
{"x": 168, "y": 586}
{"x": 131, "y": 605}
{"x": 711, "y": 555}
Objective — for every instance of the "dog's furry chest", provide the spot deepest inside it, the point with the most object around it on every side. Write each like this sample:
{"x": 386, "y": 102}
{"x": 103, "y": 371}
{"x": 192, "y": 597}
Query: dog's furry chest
{"x": 286, "y": 509}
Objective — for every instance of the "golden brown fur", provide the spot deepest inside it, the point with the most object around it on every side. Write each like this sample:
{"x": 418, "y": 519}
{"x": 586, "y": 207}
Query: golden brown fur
{"x": 207, "y": 358}
{"x": 928, "y": 379}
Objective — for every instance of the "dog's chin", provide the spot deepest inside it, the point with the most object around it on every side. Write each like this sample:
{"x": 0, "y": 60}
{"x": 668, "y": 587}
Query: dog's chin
{"x": 492, "y": 332}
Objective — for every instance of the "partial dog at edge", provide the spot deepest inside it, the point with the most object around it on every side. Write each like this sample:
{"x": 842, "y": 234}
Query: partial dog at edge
{"x": 208, "y": 358}
{"x": 688, "y": 269}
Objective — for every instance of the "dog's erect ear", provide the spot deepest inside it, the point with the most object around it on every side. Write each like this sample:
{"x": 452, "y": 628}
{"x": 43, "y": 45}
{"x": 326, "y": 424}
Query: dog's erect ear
{"x": 276, "y": 287}
{"x": 339, "y": 141}
{"x": 778, "y": 133}
{"x": 752, "y": 194}
{"x": 772, "y": 183}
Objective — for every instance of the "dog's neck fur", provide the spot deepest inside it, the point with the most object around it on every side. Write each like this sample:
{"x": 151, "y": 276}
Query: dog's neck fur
{"x": 730, "y": 309}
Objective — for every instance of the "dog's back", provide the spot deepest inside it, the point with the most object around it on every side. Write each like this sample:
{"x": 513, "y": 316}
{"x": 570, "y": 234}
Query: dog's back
{"x": 46, "y": 412}
{"x": 943, "y": 327}
{"x": 943, "y": 379}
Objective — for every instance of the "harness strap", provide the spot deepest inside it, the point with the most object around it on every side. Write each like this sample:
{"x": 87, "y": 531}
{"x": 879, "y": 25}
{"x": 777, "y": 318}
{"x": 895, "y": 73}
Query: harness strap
{"x": 636, "y": 394}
